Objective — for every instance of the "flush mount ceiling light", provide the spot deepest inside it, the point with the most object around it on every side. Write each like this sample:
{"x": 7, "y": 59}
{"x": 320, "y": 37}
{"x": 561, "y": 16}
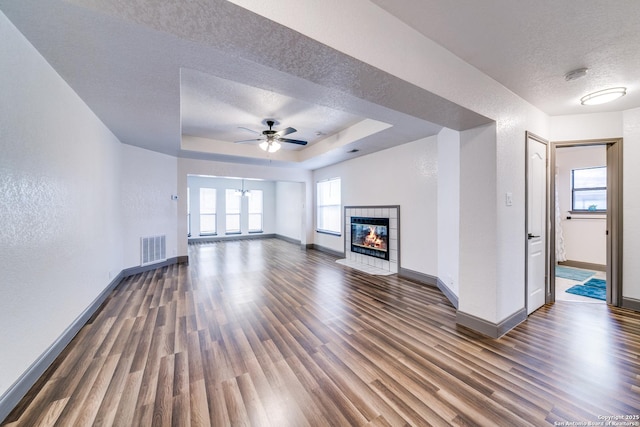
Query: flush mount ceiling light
{"x": 602, "y": 96}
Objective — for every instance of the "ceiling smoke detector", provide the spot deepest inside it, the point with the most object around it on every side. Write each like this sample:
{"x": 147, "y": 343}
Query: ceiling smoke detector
{"x": 576, "y": 74}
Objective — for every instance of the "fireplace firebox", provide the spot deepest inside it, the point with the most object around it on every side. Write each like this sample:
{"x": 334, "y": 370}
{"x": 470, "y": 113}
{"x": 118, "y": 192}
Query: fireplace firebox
{"x": 370, "y": 236}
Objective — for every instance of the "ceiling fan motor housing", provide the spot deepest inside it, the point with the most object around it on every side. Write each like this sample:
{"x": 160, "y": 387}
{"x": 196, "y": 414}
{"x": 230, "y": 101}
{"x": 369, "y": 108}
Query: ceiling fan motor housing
{"x": 270, "y": 132}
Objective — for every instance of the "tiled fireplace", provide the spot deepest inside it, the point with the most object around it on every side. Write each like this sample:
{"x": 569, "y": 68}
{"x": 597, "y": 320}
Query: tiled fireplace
{"x": 372, "y": 237}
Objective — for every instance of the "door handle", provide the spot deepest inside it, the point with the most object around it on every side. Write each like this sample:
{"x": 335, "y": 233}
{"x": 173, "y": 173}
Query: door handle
{"x": 531, "y": 236}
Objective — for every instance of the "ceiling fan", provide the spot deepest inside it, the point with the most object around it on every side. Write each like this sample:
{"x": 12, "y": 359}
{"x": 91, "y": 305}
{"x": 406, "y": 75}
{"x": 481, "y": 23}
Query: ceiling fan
{"x": 272, "y": 139}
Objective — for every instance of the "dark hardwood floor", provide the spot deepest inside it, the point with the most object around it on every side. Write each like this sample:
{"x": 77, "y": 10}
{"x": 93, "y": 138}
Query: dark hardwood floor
{"x": 260, "y": 332}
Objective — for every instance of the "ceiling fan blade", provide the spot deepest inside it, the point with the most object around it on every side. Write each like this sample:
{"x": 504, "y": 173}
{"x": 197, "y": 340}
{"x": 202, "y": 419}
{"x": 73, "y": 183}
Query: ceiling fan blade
{"x": 250, "y": 130}
{"x": 249, "y": 140}
{"x": 293, "y": 141}
{"x": 286, "y": 131}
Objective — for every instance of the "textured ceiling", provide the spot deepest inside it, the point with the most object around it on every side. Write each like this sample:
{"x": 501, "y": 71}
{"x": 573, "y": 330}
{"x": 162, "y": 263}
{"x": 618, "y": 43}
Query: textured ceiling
{"x": 182, "y": 77}
{"x": 528, "y": 46}
{"x": 226, "y": 110}
{"x": 153, "y": 70}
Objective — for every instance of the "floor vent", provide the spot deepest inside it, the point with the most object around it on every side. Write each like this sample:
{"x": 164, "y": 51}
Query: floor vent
{"x": 153, "y": 249}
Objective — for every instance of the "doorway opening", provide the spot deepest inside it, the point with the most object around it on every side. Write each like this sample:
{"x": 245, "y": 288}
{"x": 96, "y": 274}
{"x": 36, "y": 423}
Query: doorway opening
{"x": 585, "y": 227}
{"x": 580, "y": 218}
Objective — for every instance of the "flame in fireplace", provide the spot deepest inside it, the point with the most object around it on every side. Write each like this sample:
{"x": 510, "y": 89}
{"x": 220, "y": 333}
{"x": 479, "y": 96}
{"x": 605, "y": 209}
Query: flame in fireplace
{"x": 373, "y": 240}
{"x": 369, "y": 237}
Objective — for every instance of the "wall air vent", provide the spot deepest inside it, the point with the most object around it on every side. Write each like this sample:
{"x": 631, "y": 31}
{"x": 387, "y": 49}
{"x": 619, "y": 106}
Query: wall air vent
{"x": 153, "y": 249}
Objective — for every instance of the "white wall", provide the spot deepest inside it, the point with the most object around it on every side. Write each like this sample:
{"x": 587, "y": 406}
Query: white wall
{"x": 405, "y": 53}
{"x": 60, "y": 173}
{"x": 148, "y": 181}
{"x": 222, "y": 184}
{"x": 478, "y": 221}
{"x": 631, "y": 204}
{"x": 586, "y": 126}
{"x": 449, "y": 208}
{"x": 585, "y": 237}
{"x": 405, "y": 175}
{"x": 221, "y": 169}
{"x": 614, "y": 125}
{"x": 64, "y": 178}
{"x": 289, "y": 209}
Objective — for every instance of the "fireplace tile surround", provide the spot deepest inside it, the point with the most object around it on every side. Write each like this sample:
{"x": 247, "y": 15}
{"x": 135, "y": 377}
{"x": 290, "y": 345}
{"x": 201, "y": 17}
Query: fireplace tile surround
{"x": 393, "y": 213}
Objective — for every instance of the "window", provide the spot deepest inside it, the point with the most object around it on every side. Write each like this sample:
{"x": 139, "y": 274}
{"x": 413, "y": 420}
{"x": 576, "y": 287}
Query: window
{"x": 233, "y": 205}
{"x": 589, "y": 190}
{"x": 207, "y": 211}
{"x": 255, "y": 211}
{"x": 328, "y": 206}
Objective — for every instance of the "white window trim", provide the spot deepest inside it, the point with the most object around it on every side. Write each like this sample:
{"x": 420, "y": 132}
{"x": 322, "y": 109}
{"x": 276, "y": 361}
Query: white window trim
{"x": 214, "y": 213}
{"x": 338, "y": 205}
{"x": 261, "y": 212}
{"x": 228, "y": 214}
{"x": 573, "y": 191}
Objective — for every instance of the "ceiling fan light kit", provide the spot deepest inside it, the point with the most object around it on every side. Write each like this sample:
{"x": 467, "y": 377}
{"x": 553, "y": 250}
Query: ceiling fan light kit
{"x": 603, "y": 96}
{"x": 270, "y": 145}
{"x": 272, "y": 140}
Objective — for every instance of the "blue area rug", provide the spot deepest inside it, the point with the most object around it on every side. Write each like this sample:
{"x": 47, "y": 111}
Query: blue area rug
{"x": 594, "y": 288}
{"x": 573, "y": 273}
{"x": 597, "y": 283}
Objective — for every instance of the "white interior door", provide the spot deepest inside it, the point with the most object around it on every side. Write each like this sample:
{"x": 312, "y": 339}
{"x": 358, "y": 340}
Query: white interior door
{"x": 536, "y": 224}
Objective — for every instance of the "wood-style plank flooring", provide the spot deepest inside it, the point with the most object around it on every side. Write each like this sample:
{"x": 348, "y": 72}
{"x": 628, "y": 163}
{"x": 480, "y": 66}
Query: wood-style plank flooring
{"x": 262, "y": 333}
